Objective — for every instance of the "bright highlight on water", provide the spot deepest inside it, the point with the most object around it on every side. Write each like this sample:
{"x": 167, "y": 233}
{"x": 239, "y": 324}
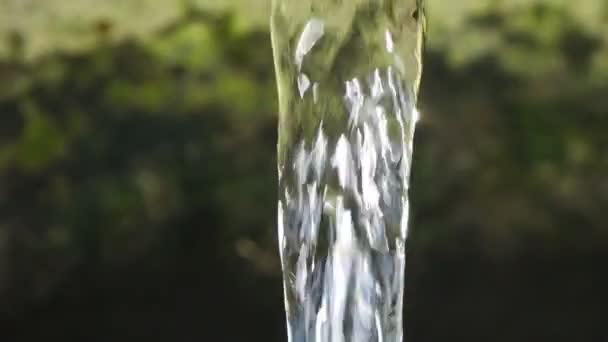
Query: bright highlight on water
{"x": 347, "y": 74}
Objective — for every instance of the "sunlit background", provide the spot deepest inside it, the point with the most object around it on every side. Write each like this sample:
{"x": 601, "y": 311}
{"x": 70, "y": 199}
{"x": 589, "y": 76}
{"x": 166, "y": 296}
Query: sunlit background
{"x": 138, "y": 177}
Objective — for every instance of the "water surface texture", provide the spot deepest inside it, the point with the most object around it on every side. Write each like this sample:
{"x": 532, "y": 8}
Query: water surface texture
{"x": 347, "y": 74}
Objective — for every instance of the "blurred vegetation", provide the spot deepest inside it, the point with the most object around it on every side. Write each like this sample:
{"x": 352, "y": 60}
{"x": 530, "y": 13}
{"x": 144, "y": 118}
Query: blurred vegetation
{"x": 137, "y": 173}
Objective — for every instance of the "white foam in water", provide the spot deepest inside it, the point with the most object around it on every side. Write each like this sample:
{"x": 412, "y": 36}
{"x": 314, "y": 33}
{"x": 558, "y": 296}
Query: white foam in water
{"x": 343, "y": 203}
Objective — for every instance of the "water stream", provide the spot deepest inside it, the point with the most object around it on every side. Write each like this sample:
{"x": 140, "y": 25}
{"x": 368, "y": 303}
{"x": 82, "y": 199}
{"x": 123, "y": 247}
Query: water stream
{"x": 347, "y": 74}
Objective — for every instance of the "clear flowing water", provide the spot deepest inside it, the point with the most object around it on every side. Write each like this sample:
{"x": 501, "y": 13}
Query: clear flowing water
{"x": 347, "y": 74}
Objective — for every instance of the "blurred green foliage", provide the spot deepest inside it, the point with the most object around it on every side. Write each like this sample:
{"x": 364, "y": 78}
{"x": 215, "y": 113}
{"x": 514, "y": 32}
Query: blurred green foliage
{"x": 137, "y": 164}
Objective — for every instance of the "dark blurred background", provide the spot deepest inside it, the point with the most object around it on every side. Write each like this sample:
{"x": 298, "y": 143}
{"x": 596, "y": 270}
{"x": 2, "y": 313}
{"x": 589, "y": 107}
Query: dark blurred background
{"x": 138, "y": 178}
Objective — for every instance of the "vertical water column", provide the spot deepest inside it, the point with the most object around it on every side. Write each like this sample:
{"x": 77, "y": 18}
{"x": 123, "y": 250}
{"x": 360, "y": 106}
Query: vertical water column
{"x": 347, "y": 73}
